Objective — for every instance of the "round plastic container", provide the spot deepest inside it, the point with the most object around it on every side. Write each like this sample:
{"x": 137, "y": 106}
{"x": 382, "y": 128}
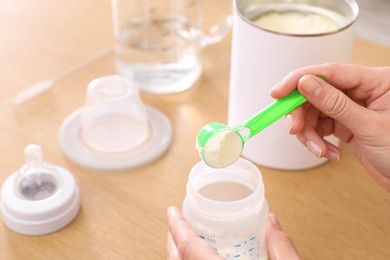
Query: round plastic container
{"x": 227, "y": 208}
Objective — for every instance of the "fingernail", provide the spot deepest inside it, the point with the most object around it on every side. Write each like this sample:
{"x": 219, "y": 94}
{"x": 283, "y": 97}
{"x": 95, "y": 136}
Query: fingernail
{"x": 289, "y": 122}
{"x": 276, "y": 86}
{"x": 333, "y": 156}
{"x": 274, "y": 220}
{"x": 172, "y": 211}
{"x": 314, "y": 148}
{"x": 311, "y": 86}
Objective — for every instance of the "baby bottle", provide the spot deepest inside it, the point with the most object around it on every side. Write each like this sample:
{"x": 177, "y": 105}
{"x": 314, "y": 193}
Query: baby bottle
{"x": 227, "y": 208}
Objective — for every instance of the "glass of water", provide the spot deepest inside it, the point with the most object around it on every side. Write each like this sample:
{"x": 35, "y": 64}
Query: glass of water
{"x": 158, "y": 43}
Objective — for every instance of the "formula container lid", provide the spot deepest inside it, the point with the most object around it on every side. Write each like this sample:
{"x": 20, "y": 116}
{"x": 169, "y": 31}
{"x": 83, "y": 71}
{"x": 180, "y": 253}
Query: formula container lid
{"x": 39, "y": 198}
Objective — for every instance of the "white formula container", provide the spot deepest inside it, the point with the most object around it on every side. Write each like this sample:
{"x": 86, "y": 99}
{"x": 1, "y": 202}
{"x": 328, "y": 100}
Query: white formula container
{"x": 261, "y": 57}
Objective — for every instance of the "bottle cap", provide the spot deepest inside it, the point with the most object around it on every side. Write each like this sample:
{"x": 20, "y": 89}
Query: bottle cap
{"x": 114, "y": 130}
{"x": 39, "y": 198}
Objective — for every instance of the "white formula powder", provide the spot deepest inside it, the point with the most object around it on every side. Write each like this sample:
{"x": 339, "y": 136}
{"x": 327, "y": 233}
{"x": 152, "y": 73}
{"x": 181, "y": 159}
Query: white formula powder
{"x": 222, "y": 149}
{"x": 295, "y": 22}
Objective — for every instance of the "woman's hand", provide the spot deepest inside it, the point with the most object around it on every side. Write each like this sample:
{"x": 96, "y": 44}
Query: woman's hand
{"x": 354, "y": 105}
{"x": 184, "y": 244}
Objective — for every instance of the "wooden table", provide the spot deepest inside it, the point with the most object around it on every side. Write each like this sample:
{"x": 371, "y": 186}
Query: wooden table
{"x": 335, "y": 211}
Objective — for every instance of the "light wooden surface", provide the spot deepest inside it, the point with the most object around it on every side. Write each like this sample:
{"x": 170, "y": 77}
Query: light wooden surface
{"x": 335, "y": 211}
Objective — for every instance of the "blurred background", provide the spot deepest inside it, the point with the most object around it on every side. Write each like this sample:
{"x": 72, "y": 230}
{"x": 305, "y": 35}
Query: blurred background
{"x": 373, "y": 23}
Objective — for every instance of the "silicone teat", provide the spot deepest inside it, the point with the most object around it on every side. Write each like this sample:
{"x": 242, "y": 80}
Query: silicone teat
{"x": 220, "y": 145}
{"x": 36, "y": 180}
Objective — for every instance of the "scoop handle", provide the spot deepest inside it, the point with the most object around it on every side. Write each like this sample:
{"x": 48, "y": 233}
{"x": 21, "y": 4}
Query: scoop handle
{"x": 272, "y": 113}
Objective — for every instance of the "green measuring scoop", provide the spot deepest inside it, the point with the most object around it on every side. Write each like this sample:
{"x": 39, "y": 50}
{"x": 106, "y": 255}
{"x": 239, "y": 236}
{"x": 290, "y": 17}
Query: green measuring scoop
{"x": 218, "y": 144}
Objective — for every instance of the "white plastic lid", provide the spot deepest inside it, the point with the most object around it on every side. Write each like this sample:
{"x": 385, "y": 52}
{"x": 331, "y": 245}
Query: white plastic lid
{"x": 114, "y": 130}
{"x": 159, "y": 140}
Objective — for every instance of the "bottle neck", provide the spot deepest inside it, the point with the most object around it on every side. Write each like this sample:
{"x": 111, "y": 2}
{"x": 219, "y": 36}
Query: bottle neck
{"x": 229, "y": 192}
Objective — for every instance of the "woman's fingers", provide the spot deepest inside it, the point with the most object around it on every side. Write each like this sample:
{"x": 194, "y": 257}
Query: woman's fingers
{"x": 279, "y": 245}
{"x": 188, "y": 244}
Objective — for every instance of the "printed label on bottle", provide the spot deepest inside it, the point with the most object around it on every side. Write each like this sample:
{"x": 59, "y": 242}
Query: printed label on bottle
{"x": 248, "y": 248}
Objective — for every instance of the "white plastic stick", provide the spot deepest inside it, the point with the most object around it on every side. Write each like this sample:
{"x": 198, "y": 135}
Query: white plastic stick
{"x": 44, "y": 85}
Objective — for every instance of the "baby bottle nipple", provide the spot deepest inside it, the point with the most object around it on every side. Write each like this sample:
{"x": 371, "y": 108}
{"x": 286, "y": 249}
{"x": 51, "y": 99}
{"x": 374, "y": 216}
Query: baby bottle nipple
{"x": 35, "y": 180}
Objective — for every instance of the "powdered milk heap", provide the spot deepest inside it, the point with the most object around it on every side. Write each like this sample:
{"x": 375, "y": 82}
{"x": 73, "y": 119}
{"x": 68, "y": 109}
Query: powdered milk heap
{"x": 296, "y": 22}
{"x": 222, "y": 149}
